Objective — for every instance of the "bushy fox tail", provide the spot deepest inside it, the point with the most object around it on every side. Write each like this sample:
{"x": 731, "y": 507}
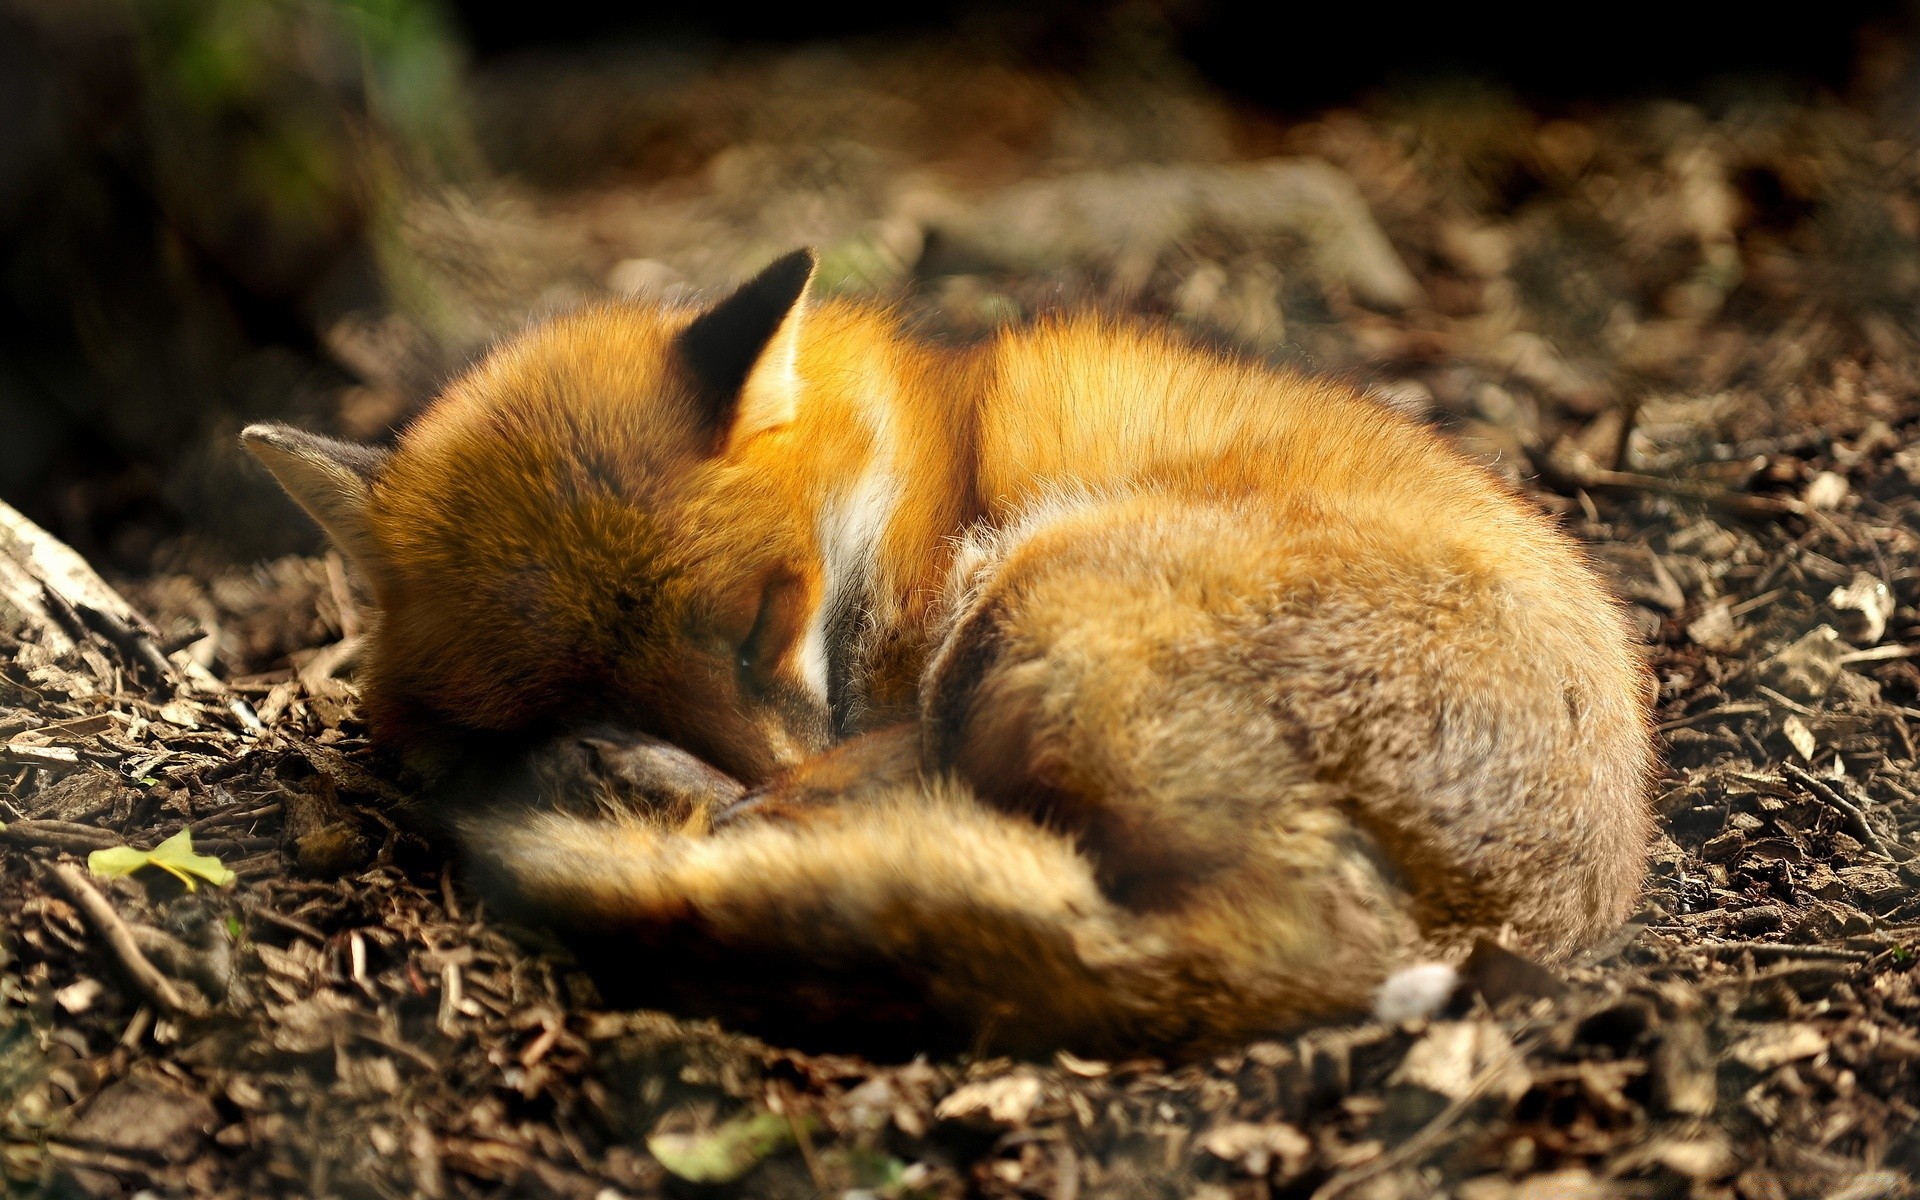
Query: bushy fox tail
{"x": 924, "y": 919}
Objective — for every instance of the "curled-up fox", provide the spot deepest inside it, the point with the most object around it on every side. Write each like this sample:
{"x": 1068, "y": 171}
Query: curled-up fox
{"x": 1088, "y": 688}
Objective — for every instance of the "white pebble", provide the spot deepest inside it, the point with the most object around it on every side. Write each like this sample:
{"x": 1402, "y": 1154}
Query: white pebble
{"x": 1415, "y": 992}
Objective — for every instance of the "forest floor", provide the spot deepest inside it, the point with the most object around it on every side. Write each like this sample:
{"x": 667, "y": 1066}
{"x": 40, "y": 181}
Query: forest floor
{"x": 1686, "y": 330}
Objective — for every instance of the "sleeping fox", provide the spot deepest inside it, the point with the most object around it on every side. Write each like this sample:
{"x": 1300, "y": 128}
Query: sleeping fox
{"x": 1084, "y": 688}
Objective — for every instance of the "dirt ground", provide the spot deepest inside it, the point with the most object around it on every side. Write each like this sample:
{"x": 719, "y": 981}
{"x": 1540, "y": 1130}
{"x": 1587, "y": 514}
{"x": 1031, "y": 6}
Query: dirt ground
{"x": 1686, "y": 329}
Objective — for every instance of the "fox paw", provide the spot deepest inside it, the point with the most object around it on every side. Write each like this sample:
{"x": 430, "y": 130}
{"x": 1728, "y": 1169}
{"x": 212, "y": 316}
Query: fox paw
{"x": 605, "y": 770}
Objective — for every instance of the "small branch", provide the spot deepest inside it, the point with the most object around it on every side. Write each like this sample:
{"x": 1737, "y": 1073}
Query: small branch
{"x": 1725, "y": 710}
{"x": 1429, "y": 1136}
{"x": 342, "y": 592}
{"x": 183, "y": 961}
{"x": 1564, "y": 477}
{"x": 232, "y": 815}
{"x": 1786, "y": 950}
{"x": 133, "y": 645}
{"x": 105, "y": 1161}
{"x": 292, "y": 924}
{"x": 15, "y": 754}
{"x": 1787, "y": 702}
{"x": 58, "y": 835}
{"x": 329, "y": 662}
{"x": 120, "y": 939}
{"x": 1825, "y": 791}
{"x": 1740, "y": 504}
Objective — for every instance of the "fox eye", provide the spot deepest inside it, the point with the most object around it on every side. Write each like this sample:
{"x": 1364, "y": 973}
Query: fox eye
{"x": 782, "y": 616}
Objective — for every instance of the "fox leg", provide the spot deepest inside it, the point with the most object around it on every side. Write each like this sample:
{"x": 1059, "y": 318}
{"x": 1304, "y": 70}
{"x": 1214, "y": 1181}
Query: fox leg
{"x": 884, "y": 760}
{"x": 1075, "y": 685}
{"x": 598, "y": 770}
{"x": 1163, "y": 681}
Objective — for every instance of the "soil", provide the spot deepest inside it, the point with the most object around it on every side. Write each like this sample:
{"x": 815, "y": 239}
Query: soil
{"x": 1685, "y": 329}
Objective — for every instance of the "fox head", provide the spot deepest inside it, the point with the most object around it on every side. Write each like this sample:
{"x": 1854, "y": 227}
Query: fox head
{"x": 606, "y": 519}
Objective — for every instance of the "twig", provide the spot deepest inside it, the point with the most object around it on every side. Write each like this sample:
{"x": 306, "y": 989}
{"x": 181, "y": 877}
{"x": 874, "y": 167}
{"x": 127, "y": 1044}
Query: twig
{"x": 1725, "y": 710}
{"x": 1561, "y": 477}
{"x": 58, "y": 835}
{"x": 1426, "y": 1139}
{"x": 1786, "y": 557}
{"x": 119, "y": 938}
{"x": 414, "y": 1053}
{"x": 16, "y": 754}
{"x": 357, "y": 965}
{"x": 1877, "y": 654}
{"x": 328, "y": 662}
{"x": 291, "y": 924}
{"x": 1834, "y": 953}
{"x": 1066, "y": 1172}
{"x": 133, "y": 644}
{"x": 1822, "y": 790}
{"x": 182, "y": 961}
{"x": 232, "y": 815}
{"x": 62, "y": 613}
{"x": 137, "y": 1027}
{"x": 101, "y": 1160}
{"x": 1758, "y": 602}
{"x": 342, "y": 592}
{"x": 805, "y": 1142}
{"x": 1787, "y": 702}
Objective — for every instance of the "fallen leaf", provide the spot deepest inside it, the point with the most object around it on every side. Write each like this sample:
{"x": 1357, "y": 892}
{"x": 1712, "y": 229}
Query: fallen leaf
{"x": 1455, "y": 1056}
{"x": 1254, "y": 1148}
{"x": 1777, "y": 1046}
{"x": 1864, "y": 606}
{"x": 1714, "y": 628}
{"x": 1682, "y": 1071}
{"x": 725, "y": 1152}
{"x": 1695, "y": 1158}
{"x": 1806, "y": 669}
{"x": 175, "y": 856}
{"x": 1008, "y": 1100}
{"x": 1801, "y": 737}
{"x": 140, "y": 1117}
{"x": 1085, "y": 1068}
{"x": 78, "y": 997}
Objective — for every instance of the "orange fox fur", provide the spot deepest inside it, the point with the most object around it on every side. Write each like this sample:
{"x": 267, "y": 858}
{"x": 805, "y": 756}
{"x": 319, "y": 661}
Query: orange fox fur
{"x": 1101, "y": 690}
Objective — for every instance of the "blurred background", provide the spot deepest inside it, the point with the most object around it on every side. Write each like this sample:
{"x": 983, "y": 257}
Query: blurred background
{"x": 218, "y": 211}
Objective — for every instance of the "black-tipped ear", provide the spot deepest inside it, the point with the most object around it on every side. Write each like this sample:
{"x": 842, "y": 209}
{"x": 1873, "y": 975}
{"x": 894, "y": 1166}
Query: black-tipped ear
{"x": 741, "y": 351}
{"x": 332, "y": 480}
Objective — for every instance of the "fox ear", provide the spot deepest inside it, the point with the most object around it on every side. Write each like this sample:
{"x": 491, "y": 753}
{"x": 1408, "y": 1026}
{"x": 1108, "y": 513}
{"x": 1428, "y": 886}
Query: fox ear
{"x": 332, "y": 480}
{"x": 741, "y": 351}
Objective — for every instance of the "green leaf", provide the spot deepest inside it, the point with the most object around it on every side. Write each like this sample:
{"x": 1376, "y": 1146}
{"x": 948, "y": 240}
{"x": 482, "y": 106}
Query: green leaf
{"x": 725, "y": 1152}
{"x": 175, "y": 856}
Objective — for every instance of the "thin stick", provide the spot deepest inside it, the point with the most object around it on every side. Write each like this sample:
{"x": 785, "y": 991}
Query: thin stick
{"x": 119, "y": 938}
{"x": 17, "y": 754}
{"x": 1725, "y": 710}
{"x": 1596, "y": 478}
{"x": 58, "y": 835}
{"x": 1822, "y": 790}
{"x": 291, "y": 924}
{"x": 805, "y": 1143}
{"x": 1784, "y": 949}
{"x": 1429, "y": 1136}
{"x": 342, "y": 591}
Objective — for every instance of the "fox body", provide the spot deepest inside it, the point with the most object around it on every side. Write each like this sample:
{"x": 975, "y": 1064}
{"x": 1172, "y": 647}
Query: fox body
{"x": 1095, "y": 689}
